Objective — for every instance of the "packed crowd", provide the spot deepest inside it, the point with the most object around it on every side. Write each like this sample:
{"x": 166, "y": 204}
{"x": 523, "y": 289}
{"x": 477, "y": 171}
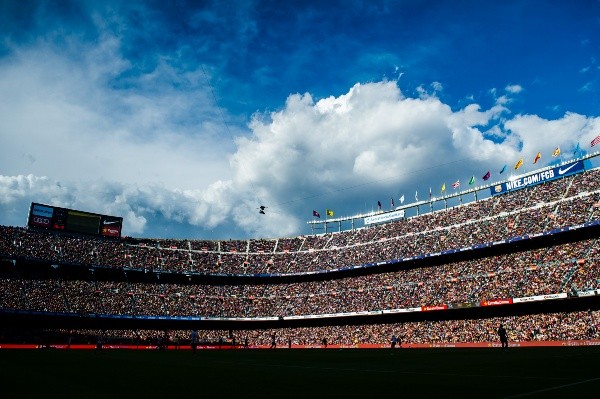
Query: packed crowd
{"x": 561, "y": 326}
{"x": 566, "y": 268}
{"x": 564, "y": 202}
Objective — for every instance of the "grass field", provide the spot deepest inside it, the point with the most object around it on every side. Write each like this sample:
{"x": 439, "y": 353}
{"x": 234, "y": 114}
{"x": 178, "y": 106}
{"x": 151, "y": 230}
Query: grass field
{"x": 303, "y": 373}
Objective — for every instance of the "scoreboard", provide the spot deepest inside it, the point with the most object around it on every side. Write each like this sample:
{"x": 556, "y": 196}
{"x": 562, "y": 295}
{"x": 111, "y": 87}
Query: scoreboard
{"x": 69, "y": 220}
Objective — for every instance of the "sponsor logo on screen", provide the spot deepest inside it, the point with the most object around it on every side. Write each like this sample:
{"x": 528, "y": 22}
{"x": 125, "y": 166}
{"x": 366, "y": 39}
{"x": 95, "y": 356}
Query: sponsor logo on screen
{"x": 110, "y": 231}
{"x": 40, "y": 221}
{"x": 40, "y": 210}
{"x": 106, "y": 222}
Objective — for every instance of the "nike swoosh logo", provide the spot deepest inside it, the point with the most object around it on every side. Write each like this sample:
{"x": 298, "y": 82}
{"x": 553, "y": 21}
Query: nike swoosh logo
{"x": 563, "y": 171}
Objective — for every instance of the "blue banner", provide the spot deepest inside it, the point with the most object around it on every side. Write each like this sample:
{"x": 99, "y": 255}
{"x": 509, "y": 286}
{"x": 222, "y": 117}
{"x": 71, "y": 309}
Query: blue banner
{"x": 41, "y": 210}
{"x": 538, "y": 177}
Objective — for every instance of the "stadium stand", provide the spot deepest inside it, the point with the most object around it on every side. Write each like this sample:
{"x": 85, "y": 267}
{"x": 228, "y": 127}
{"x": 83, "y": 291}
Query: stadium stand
{"x": 527, "y": 258}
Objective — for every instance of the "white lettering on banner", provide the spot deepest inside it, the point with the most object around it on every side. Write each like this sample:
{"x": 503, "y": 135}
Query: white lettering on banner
{"x": 538, "y": 177}
{"x": 531, "y": 179}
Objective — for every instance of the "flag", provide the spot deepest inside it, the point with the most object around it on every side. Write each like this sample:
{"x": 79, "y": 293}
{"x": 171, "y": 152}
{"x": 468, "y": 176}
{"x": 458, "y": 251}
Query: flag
{"x": 519, "y": 164}
{"x": 317, "y": 214}
{"x": 488, "y": 175}
{"x": 456, "y": 184}
{"x": 472, "y": 181}
{"x": 402, "y": 199}
{"x": 416, "y": 195}
{"x": 328, "y": 212}
{"x": 393, "y": 203}
{"x": 556, "y": 152}
{"x": 379, "y": 204}
{"x": 503, "y": 169}
{"x": 537, "y": 157}
{"x": 577, "y": 149}
{"x": 596, "y": 140}
{"x": 443, "y": 187}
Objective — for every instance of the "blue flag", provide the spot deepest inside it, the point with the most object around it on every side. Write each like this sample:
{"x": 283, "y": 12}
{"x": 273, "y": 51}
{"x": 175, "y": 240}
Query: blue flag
{"x": 503, "y": 169}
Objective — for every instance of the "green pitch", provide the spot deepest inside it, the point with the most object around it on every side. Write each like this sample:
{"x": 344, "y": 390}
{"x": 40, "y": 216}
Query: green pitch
{"x": 303, "y": 373}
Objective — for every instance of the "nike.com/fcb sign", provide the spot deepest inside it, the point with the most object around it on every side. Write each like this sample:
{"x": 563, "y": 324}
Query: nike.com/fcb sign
{"x": 538, "y": 177}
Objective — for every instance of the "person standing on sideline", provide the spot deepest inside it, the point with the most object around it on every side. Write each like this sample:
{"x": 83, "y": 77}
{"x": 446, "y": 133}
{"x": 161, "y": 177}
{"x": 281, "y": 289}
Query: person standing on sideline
{"x": 394, "y": 341}
{"x": 99, "y": 343}
{"x": 273, "y": 342}
{"x": 194, "y": 341}
{"x": 503, "y": 336}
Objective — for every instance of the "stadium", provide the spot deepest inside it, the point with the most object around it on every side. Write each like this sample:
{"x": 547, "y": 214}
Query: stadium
{"x": 305, "y": 199}
{"x": 525, "y": 257}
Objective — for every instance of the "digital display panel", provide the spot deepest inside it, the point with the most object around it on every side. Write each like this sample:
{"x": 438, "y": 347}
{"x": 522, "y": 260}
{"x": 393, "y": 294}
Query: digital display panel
{"x": 70, "y": 220}
{"x": 83, "y": 222}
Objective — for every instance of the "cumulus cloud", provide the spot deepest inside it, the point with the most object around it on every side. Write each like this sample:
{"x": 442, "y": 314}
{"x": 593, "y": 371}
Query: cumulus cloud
{"x": 110, "y": 109}
{"x": 378, "y": 140}
{"x": 63, "y": 117}
{"x": 539, "y": 134}
{"x": 337, "y": 152}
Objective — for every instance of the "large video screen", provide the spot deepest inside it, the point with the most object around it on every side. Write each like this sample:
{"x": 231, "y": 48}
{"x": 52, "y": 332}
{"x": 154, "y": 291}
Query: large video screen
{"x": 69, "y": 220}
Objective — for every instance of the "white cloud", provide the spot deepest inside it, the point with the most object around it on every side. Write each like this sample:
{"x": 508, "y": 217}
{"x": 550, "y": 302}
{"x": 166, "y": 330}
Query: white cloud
{"x": 437, "y": 87}
{"x": 539, "y": 134}
{"x": 63, "y": 117}
{"x": 514, "y": 89}
{"x": 376, "y": 139}
{"x": 364, "y": 145}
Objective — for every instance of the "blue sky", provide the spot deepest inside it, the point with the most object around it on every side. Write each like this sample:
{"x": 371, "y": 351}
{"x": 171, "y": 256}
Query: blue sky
{"x": 184, "y": 117}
